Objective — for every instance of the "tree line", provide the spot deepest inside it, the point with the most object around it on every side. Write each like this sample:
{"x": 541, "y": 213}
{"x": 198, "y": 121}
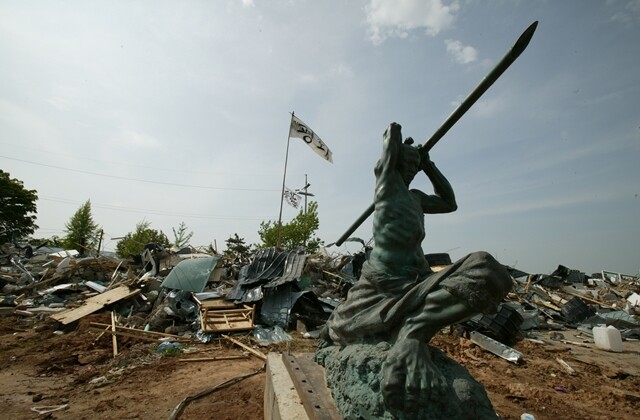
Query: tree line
{"x": 18, "y": 215}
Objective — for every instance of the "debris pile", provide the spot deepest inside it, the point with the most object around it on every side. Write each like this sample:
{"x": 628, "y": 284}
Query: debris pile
{"x": 603, "y": 304}
{"x": 164, "y": 303}
{"x": 189, "y": 293}
{"x": 192, "y": 295}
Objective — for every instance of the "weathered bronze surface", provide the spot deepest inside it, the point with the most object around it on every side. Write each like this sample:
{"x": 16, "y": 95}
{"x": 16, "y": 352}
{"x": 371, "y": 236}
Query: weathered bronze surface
{"x": 398, "y": 299}
{"x": 399, "y": 304}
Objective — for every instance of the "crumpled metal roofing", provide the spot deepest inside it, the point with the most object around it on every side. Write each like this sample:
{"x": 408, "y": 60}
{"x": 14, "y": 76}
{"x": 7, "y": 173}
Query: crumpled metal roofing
{"x": 191, "y": 275}
{"x": 269, "y": 268}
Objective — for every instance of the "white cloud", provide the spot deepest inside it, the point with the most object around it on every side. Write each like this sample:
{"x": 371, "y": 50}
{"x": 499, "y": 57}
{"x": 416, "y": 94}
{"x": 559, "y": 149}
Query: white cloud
{"x": 136, "y": 140}
{"x": 396, "y": 18}
{"x": 489, "y": 108}
{"x": 341, "y": 69}
{"x": 308, "y": 78}
{"x": 463, "y": 54}
{"x": 628, "y": 14}
{"x": 247, "y": 3}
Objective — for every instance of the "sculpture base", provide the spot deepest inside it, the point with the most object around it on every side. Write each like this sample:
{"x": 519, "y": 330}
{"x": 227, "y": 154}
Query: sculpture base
{"x": 353, "y": 374}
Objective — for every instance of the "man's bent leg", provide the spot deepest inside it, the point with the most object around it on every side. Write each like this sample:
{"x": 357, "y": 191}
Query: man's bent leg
{"x": 408, "y": 371}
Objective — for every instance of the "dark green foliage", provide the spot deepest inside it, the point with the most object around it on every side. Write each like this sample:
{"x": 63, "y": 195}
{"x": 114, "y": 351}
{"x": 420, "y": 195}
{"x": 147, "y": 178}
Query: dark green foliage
{"x": 133, "y": 243}
{"x": 300, "y": 232}
{"x": 181, "y": 237}
{"x": 237, "y": 249}
{"x": 17, "y": 209}
{"x": 82, "y": 232}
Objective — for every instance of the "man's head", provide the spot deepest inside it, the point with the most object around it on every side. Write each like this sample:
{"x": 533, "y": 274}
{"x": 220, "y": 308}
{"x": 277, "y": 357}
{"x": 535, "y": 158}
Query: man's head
{"x": 408, "y": 161}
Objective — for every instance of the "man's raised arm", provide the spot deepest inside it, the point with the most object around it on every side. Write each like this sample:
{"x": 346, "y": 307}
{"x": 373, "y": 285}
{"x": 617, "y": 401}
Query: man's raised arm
{"x": 443, "y": 200}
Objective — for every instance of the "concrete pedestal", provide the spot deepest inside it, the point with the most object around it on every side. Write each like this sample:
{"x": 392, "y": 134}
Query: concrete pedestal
{"x": 296, "y": 389}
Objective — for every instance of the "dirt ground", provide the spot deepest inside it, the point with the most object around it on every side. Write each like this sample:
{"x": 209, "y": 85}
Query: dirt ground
{"x": 40, "y": 368}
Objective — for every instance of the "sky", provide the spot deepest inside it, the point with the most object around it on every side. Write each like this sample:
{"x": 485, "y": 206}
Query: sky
{"x": 179, "y": 111}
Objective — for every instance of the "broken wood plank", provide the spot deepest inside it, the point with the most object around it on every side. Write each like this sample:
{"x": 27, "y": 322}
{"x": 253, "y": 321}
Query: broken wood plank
{"x": 575, "y": 343}
{"x": 136, "y": 333}
{"x": 114, "y": 337}
{"x": 212, "y": 359}
{"x": 216, "y": 304}
{"x": 247, "y": 348}
{"x": 94, "y": 304}
{"x": 590, "y": 299}
{"x": 226, "y": 320}
{"x": 566, "y": 366}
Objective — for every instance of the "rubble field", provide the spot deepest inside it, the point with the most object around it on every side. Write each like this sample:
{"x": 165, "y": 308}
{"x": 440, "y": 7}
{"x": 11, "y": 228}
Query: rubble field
{"x": 40, "y": 369}
{"x": 186, "y": 337}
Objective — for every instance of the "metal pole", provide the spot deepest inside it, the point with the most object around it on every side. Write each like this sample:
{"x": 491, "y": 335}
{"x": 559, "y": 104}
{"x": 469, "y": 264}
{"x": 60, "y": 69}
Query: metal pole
{"x": 100, "y": 242}
{"x": 284, "y": 177}
{"x": 306, "y": 185}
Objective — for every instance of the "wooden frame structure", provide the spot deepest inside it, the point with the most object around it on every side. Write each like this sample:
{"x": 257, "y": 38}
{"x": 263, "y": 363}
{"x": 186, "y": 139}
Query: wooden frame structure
{"x": 219, "y": 315}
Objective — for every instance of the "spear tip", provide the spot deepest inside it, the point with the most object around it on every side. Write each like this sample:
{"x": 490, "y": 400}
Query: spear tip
{"x": 522, "y": 42}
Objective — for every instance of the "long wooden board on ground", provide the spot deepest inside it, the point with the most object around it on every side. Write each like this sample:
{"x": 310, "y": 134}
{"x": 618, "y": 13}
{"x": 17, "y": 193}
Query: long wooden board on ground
{"x": 247, "y": 348}
{"x": 94, "y": 304}
{"x": 139, "y": 334}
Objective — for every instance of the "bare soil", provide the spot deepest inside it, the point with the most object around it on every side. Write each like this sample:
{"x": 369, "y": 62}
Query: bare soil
{"x": 77, "y": 370}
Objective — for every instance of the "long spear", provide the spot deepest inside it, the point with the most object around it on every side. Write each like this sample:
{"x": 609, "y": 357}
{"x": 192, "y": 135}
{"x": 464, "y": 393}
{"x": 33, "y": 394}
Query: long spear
{"x": 506, "y": 61}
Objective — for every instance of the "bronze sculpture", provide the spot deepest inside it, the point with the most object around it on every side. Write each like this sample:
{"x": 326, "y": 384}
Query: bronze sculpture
{"x": 375, "y": 345}
{"x": 398, "y": 298}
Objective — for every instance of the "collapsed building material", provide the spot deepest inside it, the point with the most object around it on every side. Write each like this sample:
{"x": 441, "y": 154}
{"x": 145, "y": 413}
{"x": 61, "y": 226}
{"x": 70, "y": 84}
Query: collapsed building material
{"x": 268, "y": 269}
{"x": 497, "y": 348}
{"x": 504, "y": 325}
{"x": 565, "y": 365}
{"x": 247, "y": 348}
{"x": 193, "y": 275}
{"x": 94, "y": 304}
{"x": 213, "y": 359}
{"x": 569, "y": 275}
{"x": 220, "y": 315}
{"x": 285, "y": 305}
{"x": 138, "y": 334}
{"x": 575, "y": 310}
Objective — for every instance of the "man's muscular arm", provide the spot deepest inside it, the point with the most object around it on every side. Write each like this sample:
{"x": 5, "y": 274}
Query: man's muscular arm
{"x": 443, "y": 200}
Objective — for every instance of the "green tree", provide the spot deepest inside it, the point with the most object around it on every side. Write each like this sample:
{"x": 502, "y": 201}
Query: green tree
{"x": 133, "y": 242}
{"x": 237, "y": 248}
{"x": 300, "y": 232}
{"x": 17, "y": 209}
{"x": 181, "y": 237}
{"x": 82, "y": 231}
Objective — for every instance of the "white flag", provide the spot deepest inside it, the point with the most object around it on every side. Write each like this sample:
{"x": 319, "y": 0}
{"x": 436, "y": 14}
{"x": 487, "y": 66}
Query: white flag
{"x": 302, "y": 131}
{"x": 292, "y": 198}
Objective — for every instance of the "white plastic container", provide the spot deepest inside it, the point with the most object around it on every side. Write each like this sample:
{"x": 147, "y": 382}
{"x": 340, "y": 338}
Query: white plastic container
{"x": 607, "y": 338}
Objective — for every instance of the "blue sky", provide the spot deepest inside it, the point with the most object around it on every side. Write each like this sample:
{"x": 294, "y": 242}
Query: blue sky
{"x": 172, "y": 111}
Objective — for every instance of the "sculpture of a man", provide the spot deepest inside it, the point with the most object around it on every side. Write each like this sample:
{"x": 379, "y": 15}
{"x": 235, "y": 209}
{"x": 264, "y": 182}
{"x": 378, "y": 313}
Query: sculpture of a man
{"x": 398, "y": 298}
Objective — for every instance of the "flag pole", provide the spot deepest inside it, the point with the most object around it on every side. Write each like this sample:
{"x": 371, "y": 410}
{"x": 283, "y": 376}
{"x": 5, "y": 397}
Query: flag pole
{"x": 284, "y": 177}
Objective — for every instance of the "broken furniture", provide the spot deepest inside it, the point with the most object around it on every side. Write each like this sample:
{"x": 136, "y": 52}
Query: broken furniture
{"x": 220, "y": 315}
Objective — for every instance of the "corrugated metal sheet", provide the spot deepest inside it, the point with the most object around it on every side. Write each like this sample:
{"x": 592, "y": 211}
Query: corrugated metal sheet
{"x": 269, "y": 268}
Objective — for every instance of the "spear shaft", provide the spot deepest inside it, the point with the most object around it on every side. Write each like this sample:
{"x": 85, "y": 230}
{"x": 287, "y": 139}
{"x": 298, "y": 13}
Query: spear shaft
{"x": 506, "y": 61}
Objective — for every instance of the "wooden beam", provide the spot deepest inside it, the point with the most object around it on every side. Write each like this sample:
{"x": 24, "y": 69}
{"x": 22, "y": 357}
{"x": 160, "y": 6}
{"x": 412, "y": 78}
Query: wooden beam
{"x": 114, "y": 337}
{"x": 247, "y": 348}
{"x": 94, "y": 304}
